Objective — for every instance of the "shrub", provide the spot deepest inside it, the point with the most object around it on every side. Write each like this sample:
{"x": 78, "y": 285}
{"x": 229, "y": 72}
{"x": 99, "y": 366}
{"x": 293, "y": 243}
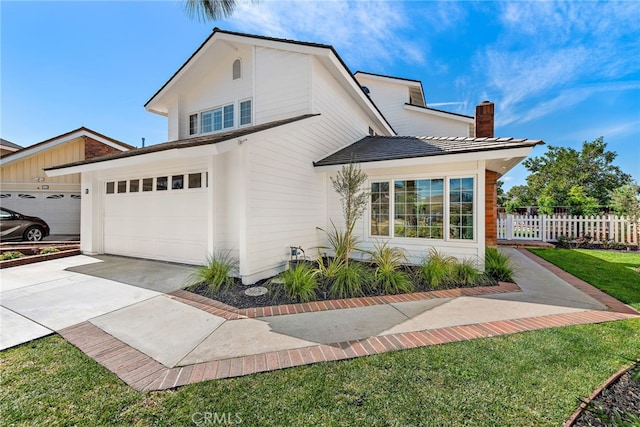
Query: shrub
{"x": 346, "y": 280}
{"x": 497, "y": 265}
{"x": 388, "y": 276}
{"x": 11, "y": 255}
{"x": 217, "y": 273}
{"x": 300, "y": 282}
{"x": 465, "y": 273}
{"x": 342, "y": 243}
{"x": 437, "y": 270}
{"x": 45, "y": 251}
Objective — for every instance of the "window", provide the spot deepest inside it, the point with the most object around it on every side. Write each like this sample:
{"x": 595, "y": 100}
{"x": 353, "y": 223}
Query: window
{"x": 380, "y": 209}
{"x": 161, "y": 183}
{"x": 193, "y": 124}
{"x": 420, "y": 208}
{"x": 237, "y": 69}
{"x": 217, "y": 119}
{"x": 134, "y": 186}
{"x": 110, "y": 187}
{"x": 147, "y": 184}
{"x": 245, "y": 112}
{"x": 195, "y": 180}
{"x": 122, "y": 186}
{"x": 177, "y": 182}
{"x": 461, "y": 208}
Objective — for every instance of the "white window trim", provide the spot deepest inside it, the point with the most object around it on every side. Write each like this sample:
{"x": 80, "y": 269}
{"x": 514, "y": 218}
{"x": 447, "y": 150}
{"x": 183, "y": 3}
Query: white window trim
{"x": 154, "y": 183}
{"x": 240, "y": 112}
{"x": 236, "y": 117}
{"x": 447, "y": 211}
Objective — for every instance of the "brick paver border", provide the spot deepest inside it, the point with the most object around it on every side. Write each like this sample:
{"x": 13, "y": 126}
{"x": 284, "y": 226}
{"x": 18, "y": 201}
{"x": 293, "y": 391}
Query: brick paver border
{"x": 146, "y": 374}
{"x": 230, "y": 313}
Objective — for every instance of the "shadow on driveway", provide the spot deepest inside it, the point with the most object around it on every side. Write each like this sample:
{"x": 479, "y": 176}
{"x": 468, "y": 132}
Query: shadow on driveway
{"x": 154, "y": 275}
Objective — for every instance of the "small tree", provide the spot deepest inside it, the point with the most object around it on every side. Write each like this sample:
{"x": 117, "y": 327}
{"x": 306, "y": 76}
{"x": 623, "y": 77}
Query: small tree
{"x": 349, "y": 184}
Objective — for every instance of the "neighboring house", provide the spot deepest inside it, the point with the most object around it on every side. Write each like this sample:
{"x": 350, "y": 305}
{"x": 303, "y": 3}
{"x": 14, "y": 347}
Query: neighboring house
{"x": 8, "y": 147}
{"x": 27, "y": 189}
{"x": 256, "y": 128}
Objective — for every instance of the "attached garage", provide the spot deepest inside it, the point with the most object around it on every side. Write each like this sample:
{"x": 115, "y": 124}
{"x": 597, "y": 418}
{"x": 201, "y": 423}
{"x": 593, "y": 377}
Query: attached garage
{"x": 61, "y": 210}
{"x": 162, "y": 217}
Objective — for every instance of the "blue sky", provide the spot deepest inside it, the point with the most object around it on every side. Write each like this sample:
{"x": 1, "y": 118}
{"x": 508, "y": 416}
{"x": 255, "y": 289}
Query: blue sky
{"x": 562, "y": 72}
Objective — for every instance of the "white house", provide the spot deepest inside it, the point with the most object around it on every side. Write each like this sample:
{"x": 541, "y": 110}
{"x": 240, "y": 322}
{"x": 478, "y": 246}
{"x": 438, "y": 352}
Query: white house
{"x": 256, "y": 127}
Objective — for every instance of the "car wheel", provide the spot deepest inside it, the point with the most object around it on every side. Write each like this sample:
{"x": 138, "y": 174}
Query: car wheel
{"x": 33, "y": 234}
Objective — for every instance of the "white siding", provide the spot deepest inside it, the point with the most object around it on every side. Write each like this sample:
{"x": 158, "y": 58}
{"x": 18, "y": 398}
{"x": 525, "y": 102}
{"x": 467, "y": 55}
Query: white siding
{"x": 391, "y": 98}
{"x": 282, "y": 84}
{"x": 227, "y": 179}
{"x": 210, "y": 84}
{"x": 417, "y": 249}
{"x": 286, "y": 195}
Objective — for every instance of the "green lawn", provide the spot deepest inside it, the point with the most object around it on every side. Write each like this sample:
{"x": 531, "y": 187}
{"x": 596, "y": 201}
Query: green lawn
{"x": 527, "y": 379}
{"x": 612, "y": 272}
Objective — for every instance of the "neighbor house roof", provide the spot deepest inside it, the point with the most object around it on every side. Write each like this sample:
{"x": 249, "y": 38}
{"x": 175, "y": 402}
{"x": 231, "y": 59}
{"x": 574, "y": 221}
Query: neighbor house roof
{"x": 186, "y": 143}
{"x": 10, "y": 145}
{"x": 313, "y": 48}
{"x": 65, "y": 137}
{"x": 379, "y": 148}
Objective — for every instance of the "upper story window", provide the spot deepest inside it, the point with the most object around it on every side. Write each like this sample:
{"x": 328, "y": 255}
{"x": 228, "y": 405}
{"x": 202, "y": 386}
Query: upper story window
{"x": 237, "y": 69}
{"x": 216, "y": 119}
{"x": 221, "y": 118}
{"x": 245, "y": 112}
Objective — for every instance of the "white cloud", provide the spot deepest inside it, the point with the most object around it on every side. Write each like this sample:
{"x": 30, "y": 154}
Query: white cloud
{"x": 547, "y": 50}
{"x": 367, "y": 33}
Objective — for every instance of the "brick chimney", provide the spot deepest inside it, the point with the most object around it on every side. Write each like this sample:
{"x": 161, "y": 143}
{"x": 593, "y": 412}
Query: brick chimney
{"x": 484, "y": 119}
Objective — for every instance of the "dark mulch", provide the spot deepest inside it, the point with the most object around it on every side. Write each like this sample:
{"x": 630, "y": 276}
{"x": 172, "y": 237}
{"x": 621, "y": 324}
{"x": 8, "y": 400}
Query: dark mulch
{"x": 617, "y": 405}
{"x": 235, "y": 296}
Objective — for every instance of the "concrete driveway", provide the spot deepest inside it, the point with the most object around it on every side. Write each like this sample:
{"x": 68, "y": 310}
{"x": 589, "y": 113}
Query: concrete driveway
{"x": 39, "y": 299}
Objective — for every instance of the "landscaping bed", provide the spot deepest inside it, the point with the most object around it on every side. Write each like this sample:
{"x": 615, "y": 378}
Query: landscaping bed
{"x": 617, "y": 403}
{"x": 235, "y": 295}
{"x": 329, "y": 278}
{"x": 21, "y": 253}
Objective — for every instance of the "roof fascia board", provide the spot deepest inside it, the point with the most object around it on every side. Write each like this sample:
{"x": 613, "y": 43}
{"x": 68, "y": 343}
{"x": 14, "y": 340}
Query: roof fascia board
{"x": 29, "y": 151}
{"x": 508, "y": 154}
{"x": 437, "y": 113}
{"x": 390, "y": 79}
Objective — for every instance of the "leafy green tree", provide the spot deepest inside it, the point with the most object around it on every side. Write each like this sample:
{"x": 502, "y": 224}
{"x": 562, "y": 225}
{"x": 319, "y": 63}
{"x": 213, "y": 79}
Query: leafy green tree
{"x": 625, "y": 200}
{"x": 210, "y": 10}
{"x": 581, "y": 204}
{"x": 553, "y": 175}
{"x": 520, "y": 196}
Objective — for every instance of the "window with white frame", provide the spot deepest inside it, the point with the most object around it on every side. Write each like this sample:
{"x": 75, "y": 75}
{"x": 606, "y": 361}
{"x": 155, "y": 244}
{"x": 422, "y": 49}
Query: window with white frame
{"x": 221, "y": 118}
{"x": 245, "y": 112}
{"x": 423, "y": 208}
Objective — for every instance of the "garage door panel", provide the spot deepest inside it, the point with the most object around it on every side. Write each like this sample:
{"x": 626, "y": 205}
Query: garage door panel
{"x": 168, "y": 225}
{"x": 61, "y": 210}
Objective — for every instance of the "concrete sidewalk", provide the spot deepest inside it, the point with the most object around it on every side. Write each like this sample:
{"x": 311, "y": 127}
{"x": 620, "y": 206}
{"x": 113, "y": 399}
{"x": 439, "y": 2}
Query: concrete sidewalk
{"x": 166, "y": 340}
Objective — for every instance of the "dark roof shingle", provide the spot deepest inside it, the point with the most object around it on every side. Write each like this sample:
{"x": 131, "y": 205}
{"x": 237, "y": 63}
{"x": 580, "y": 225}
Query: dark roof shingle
{"x": 379, "y": 148}
{"x": 186, "y": 143}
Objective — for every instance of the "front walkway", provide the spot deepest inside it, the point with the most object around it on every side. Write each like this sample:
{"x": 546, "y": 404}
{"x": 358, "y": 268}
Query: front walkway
{"x": 175, "y": 339}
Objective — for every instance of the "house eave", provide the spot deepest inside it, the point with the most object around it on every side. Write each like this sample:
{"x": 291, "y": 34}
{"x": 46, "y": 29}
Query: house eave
{"x": 498, "y": 160}
{"x": 440, "y": 113}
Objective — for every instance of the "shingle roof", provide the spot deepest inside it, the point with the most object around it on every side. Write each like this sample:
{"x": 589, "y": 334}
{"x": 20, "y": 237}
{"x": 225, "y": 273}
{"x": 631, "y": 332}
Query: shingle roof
{"x": 186, "y": 143}
{"x": 378, "y": 148}
{"x": 9, "y": 144}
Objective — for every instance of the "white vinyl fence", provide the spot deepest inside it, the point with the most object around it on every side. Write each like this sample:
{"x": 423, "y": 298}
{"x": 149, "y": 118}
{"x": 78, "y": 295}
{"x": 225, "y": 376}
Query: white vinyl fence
{"x": 545, "y": 228}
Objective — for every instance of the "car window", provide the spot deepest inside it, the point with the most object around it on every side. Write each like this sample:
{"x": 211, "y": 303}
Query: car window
{"x": 5, "y": 214}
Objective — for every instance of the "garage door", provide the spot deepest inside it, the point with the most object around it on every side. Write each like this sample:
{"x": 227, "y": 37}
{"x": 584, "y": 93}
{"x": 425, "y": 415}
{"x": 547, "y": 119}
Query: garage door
{"x": 163, "y": 219}
{"x": 61, "y": 210}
